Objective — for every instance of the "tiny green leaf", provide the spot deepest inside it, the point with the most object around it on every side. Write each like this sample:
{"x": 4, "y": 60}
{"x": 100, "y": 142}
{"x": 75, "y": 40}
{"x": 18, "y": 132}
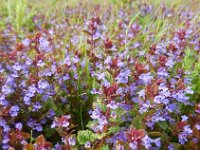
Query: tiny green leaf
{"x": 86, "y": 135}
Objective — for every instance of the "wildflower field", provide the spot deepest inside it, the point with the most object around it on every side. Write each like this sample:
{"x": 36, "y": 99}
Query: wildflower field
{"x": 99, "y": 75}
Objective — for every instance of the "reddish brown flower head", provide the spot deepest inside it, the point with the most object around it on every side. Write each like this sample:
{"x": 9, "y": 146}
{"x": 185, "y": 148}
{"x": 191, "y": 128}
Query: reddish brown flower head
{"x": 110, "y": 91}
{"x": 180, "y": 85}
{"x": 108, "y": 44}
{"x": 162, "y": 60}
{"x": 39, "y": 144}
{"x": 61, "y": 122}
{"x": 134, "y": 135}
{"x": 181, "y": 34}
{"x": 152, "y": 49}
{"x": 172, "y": 47}
{"x": 152, "y": 89}
{"x": 114, "y": 63}
{"x": 19, "y": 47}
{"x": 94, "y": 22}
{"x": 181, "y": 124}
{"x": 17, "y": 136}
{"x": 140, "y": 68}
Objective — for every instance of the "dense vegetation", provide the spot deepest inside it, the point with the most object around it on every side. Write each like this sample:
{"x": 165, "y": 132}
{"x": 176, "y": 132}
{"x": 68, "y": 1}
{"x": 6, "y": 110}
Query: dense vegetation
{"x": 99, "y": 75}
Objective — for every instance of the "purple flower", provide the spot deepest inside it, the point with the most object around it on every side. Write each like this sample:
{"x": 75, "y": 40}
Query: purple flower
{"x": 40, "y": 63}
{"x": 58, "y": 147}
{"x": 74, "y": 40}
{"x": 94, "y": 91}
{"x": 4, "y": 125}
{"x": 184, "y": 118}
{"x": 36, "y": 106}
{"x": 187, "y": 129}
{"x": 169, "y": 63}
{"x": 17, "y": 66}
{"x": 87, "y": 144}
{"x": 142, "y": 93}
{"x": 1, "y": 69}
{"x": 44, "y": 45}
{"x": 6, "y": 89}
{"x": 72, "y": 141}
{"x": 133, "y": 145}
{"x": 197, "y": 126}
{"x": 171, "y": 147}
{"x": 145, "y": 107}
{"x": 95, "y": 114}
{"x": 66, "y": 77}
{"x": 38, "y": 127}
{"x": 123, "y": 76}
{"x": 61, "y": 122}
{"x": 18, "y": 125}
{"x": 43, "y": 84}
{"x": 146, "y": 78}
{"x": 27, "y": 100}
{"x": 182, "y": 138}
{"x": 113, "y": 115}
{"x": 26, "y": 42}
{"x": 51, "y": 113}
{"x": 14, "y": 111}
{"x": 3, "y": 101}
{"x": 112, "y": 105}
{"x": 172, "y": 107}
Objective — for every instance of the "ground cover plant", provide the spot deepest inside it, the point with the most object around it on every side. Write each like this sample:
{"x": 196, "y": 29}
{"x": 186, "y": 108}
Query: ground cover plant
{"x": 99, "y": 75}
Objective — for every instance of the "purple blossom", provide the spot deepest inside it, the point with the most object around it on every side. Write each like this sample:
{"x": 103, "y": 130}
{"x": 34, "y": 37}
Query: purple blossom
{"x": 27, "y": 100}
{"x": 184, "y": 118}
{"x": 71, "y": 141}
{"x": 145, "y": 106}
{"x": 197, "y": 126}
{"x": 17, "y": 66}
{"x": 6, "y": 89}
{"x": 43, "y": 84}
{"x": 87, "y": 144}
{"x": 182, "y": 138}
{"x": 37, "y": 106}
{"x": 44, "y": 44}
{"x": 133, "y": 145}
{"x": 18, "y": 125}
{"x": 146, "y": 78}
{"x": 14, "y": 111}
{"x": 171, "y": 147}
{"x": 112, "y": 105}
{"x": 62, "y": 122}
{"x": 38, "y": 127}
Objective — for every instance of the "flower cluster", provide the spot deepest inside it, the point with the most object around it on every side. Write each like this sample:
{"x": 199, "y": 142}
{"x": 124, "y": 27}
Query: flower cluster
{"x": 76, "y": 85}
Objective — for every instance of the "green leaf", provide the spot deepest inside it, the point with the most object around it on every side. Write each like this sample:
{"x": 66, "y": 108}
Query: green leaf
{"x": 50, "y": 105}
{"x": 163, "y": 125}
{"x": 101, "y": 136}
{"x": 176, "y": 145}
{"x": 114, "y": 129}
{"x": 86, "y": 135}
{"x": 105, "y": 147}
{"x": 137, "y": 122}
{"x": 154, "y": 134}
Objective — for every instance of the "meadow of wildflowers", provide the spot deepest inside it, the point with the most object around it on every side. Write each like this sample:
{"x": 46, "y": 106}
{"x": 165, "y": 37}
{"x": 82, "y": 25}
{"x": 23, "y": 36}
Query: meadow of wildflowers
{"x": 100, "y": 75}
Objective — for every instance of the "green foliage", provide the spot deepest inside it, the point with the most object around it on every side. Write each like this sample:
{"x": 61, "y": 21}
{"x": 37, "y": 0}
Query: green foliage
{"x": 114, "y": 129}
{"x": 20, "y": 15}
{"x": 105, "y": 147}
{"x": 191, "y": 63}
{"x": 86, "y": 135}
{"x": 137, "y": 122}
{"x": 163, "y": 125}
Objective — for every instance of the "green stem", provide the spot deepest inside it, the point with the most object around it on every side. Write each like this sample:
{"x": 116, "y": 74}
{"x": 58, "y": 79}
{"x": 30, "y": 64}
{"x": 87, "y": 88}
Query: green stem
{"x": 81, "y": 117}
{"x": 31, "y": 140}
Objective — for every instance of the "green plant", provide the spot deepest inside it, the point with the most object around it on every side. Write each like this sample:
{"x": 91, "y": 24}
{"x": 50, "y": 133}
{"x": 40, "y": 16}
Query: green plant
{"x": 20, "y": 15}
